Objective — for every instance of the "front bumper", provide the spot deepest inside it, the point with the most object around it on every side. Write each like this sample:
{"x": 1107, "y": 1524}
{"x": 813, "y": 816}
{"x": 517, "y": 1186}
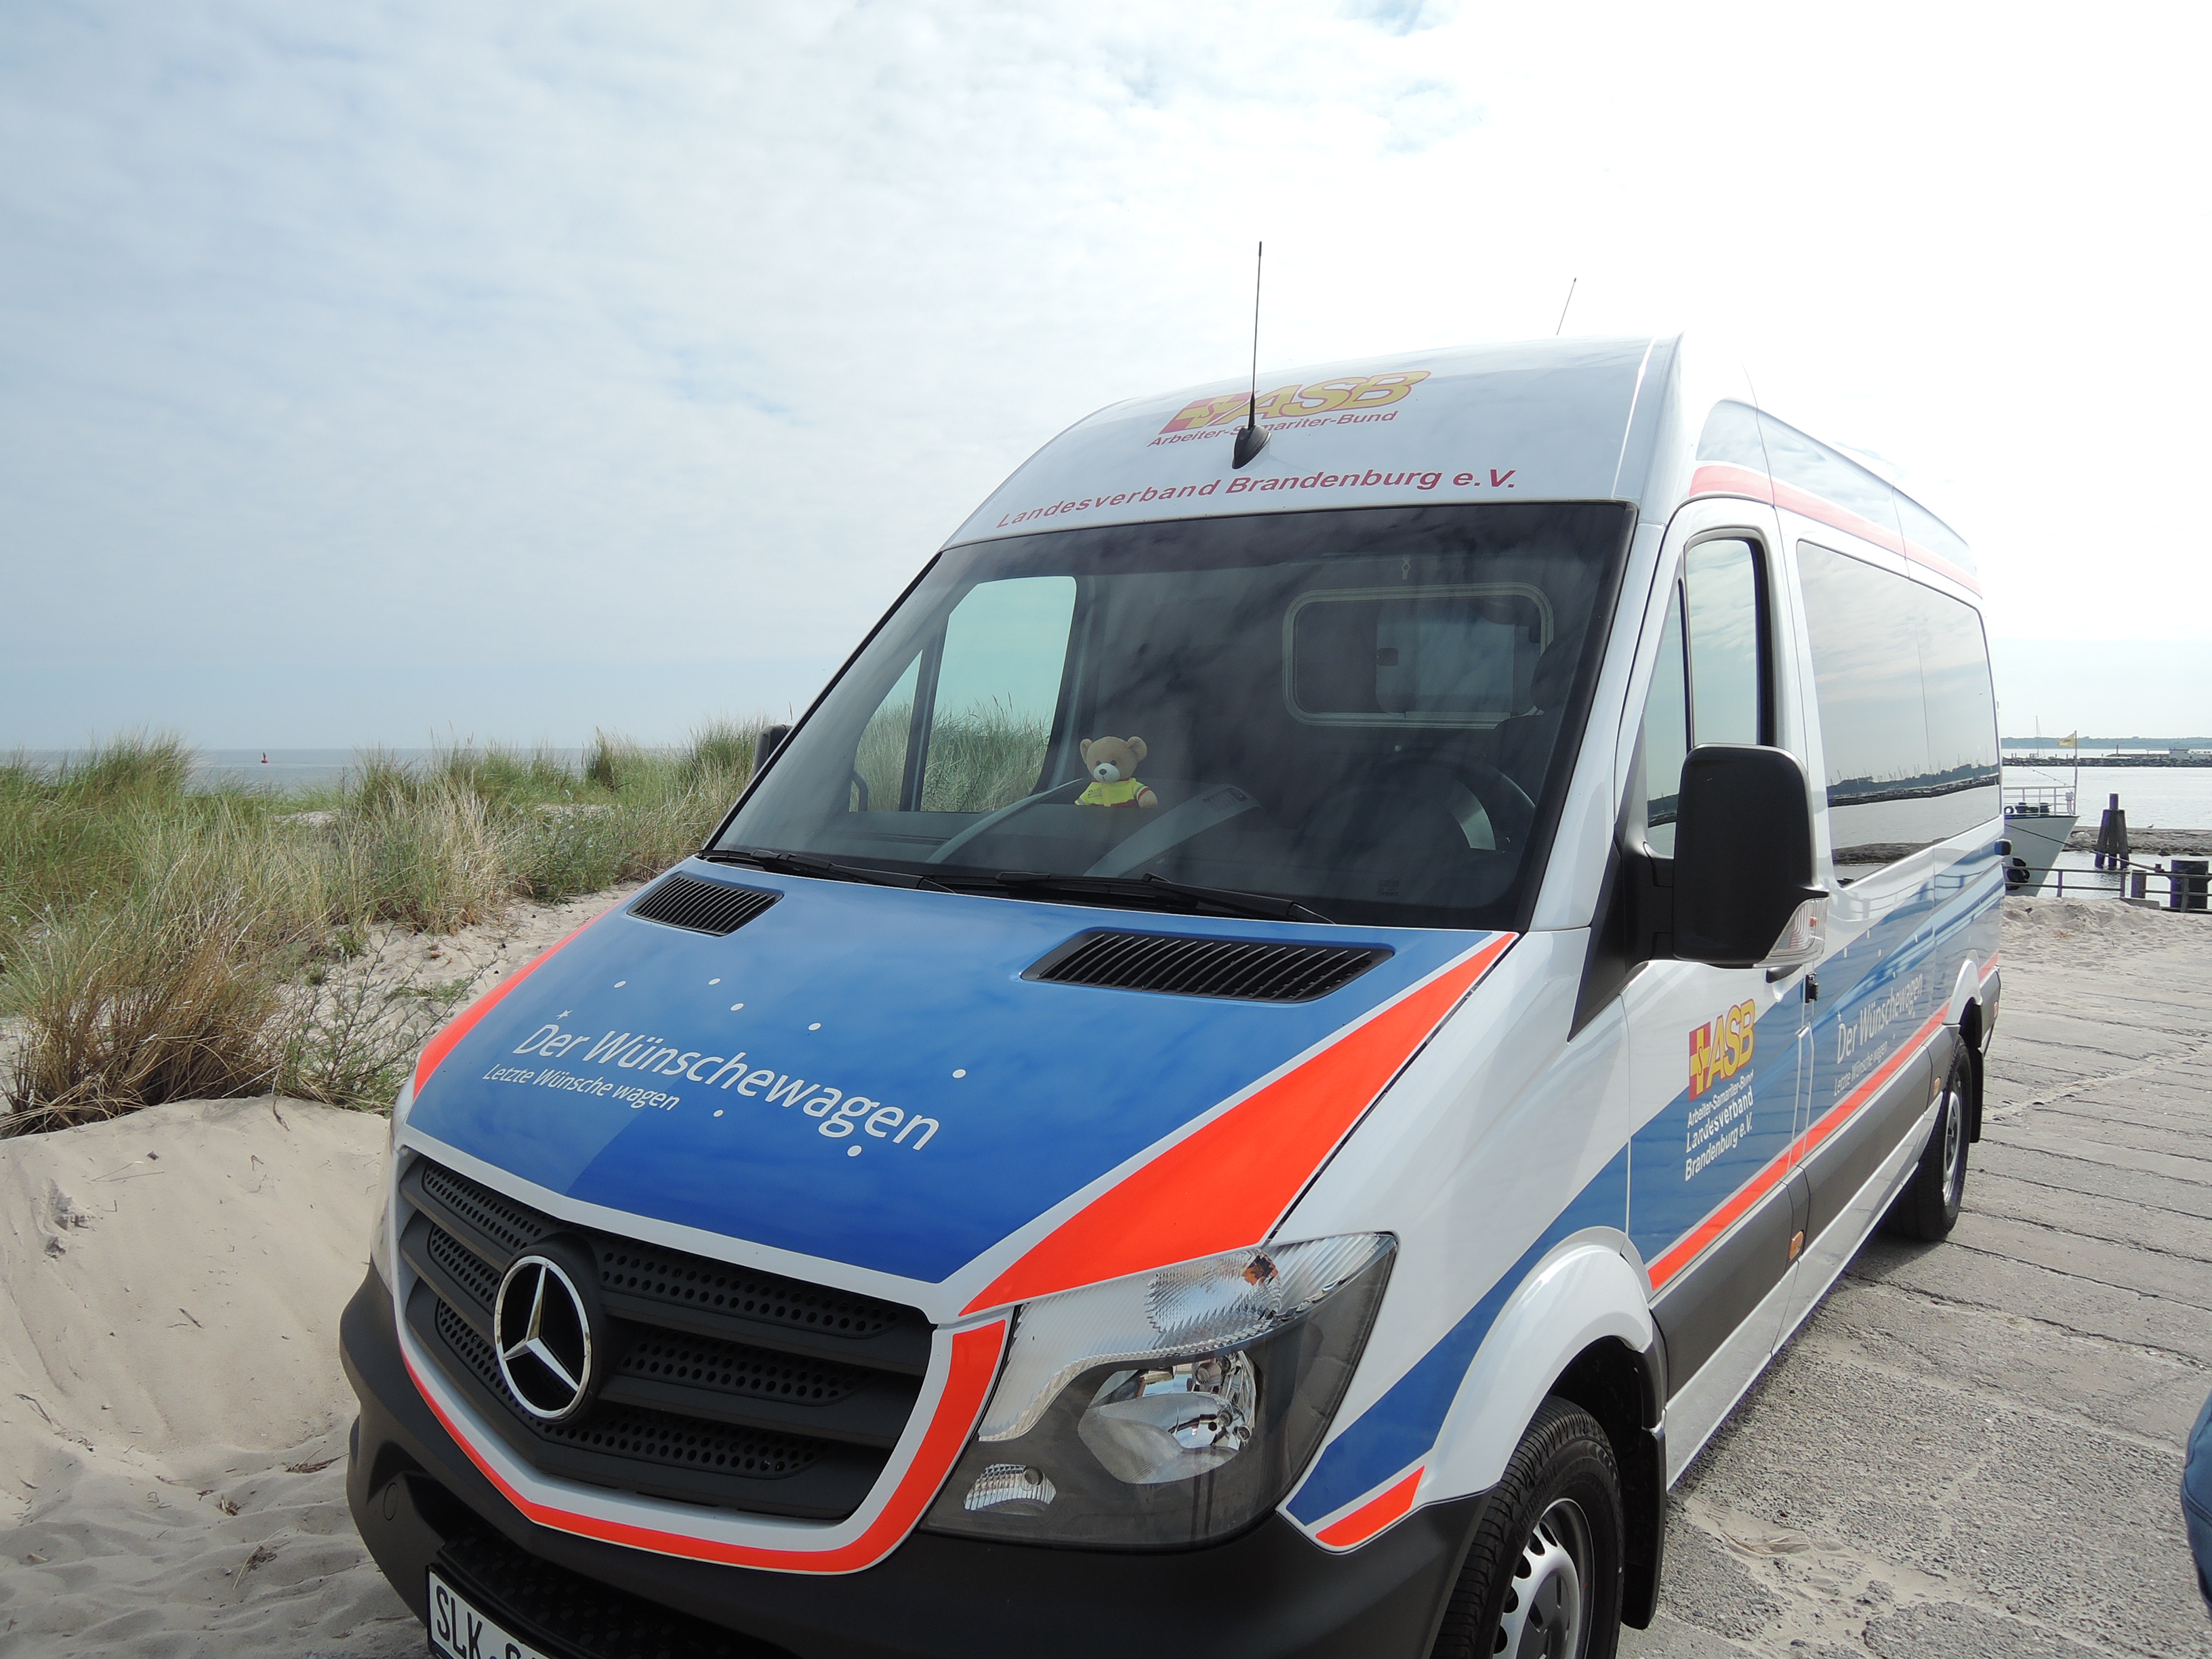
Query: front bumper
{"x": 1270, "y": 1594}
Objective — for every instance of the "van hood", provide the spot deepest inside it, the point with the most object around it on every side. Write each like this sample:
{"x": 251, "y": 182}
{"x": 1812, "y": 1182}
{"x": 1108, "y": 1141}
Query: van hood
{"x": 861, "y": 1074}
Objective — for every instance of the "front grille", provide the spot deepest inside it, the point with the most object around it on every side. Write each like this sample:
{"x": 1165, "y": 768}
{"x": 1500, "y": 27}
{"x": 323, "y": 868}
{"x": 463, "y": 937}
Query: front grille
{"x": 724, "y": 1386}
{"x": 672, "y": 1441}
{"x": 719, "y": 907}
{"x": 508, "y": 1227}
{"x": 702, "y": 1360}
{"x": 676, "y": 1280}
{"x": 469, "y": 1272}
{"x": 1245, "y": 970}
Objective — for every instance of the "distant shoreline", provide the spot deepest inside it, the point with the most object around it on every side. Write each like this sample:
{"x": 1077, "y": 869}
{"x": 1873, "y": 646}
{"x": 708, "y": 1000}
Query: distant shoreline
{"x": 2185, "y": 843}
{"x": 2099, "y": 757}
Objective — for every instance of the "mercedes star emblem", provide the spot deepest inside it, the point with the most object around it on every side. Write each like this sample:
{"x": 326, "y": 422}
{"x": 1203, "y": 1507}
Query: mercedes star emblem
{"x": 542, "y": 1331}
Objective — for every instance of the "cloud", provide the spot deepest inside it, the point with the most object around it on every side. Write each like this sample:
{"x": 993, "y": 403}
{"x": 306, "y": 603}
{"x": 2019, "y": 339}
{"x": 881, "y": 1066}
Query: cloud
{"x": 1401, "y": 17}
{"x": 424, "y": 334}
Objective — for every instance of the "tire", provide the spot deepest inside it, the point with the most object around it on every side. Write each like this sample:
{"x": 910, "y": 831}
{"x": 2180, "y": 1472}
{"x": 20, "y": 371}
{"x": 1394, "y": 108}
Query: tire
{"x": 1542, "y": 1578}
{"x": 1927, "y": 1208}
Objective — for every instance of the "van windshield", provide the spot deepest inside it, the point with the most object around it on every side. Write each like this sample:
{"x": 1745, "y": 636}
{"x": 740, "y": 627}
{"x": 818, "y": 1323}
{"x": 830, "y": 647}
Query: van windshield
{"x": 1358, "y": 716}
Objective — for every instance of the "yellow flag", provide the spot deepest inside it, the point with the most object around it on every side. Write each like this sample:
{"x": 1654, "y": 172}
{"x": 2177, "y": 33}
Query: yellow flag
{"x": 2071, "y": 740}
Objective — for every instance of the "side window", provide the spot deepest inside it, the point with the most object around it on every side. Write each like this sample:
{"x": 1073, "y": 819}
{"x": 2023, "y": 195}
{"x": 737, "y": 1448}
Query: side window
{"x": 966, "y": 727}
{"x": 1962, "y": 706}
{"x": 1908, "y": 722}
{"x": 1720, "y": 591}
{"x": 1710, "y": 684}
{"x": 1666, "y": 733}
{"x": 879, "y": 764}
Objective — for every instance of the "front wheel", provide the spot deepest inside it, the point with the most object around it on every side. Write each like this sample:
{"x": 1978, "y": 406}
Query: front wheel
{"x": 1542, "y": 1578}
{"x": 1927, "y": 1208}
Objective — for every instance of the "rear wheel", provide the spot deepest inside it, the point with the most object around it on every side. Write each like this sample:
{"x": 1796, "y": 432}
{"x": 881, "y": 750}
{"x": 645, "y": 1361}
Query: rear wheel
{"x": 1542, "y": 1578}
{"x": 1927, "y": 1208}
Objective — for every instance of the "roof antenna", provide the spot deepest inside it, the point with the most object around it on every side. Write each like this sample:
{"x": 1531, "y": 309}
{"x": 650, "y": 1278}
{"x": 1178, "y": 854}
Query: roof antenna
{"x": 1250, "y": 438}
{"x": 1572, "y": 281}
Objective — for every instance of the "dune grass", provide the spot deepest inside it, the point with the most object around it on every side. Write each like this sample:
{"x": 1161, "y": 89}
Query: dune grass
{"x": 983, "y": 759}
{"x": 159, "y": 944}
{"x": 980, "y": 759}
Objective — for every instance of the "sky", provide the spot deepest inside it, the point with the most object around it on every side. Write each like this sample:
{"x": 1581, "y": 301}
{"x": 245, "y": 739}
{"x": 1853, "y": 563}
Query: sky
{"x": 384, "y": 373}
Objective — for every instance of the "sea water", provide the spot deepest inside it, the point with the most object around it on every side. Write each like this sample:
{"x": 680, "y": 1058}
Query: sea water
{"x": 284, "y": 770}
{"x": 2154, "y": 797}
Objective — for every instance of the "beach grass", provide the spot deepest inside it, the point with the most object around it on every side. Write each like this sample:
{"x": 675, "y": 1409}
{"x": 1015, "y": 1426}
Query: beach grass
{"x": 158, "y": 943}
{"x": 980, "y": 759}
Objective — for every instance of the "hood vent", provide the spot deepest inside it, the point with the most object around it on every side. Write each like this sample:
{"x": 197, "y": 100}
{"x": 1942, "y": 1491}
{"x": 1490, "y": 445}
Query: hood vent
{"x": 1245, "y": 970}
{"x": 704, "y": 907}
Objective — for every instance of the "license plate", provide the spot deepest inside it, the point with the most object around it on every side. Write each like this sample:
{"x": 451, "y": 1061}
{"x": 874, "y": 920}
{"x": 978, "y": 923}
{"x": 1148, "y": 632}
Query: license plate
{"x": 457, "y": 1630}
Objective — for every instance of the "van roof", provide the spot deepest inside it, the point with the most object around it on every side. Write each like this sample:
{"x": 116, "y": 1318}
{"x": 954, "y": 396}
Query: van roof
{"x": 1539, "y": 420}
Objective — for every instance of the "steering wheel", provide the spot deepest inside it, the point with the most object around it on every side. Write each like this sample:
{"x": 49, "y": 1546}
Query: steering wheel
{"x": 992, "y": 820}
{"x": 1171, "y": 829}
{"x": 1512, "y": 815}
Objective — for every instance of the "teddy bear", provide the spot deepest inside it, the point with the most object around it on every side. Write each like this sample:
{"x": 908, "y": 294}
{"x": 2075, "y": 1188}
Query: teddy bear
{"x": 1113, "y": 763}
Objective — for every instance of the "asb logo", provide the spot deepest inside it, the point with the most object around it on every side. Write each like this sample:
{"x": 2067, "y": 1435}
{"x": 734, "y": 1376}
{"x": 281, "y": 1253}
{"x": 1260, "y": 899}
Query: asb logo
{"x": 1347, "y": 394}
{"x": 1721, "y": 1048}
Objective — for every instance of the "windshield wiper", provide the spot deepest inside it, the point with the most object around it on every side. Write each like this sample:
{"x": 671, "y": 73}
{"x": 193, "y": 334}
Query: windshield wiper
{"x": 806, "y": 864}
{"x": 1266, "y": 907}
{"x": 1148, "y": 888}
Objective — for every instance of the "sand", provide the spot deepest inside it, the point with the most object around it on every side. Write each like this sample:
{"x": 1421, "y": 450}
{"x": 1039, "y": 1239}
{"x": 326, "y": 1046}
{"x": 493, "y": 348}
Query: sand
{"x": 173, "y": 1417}
{"x": 172, "y": 1414}
{"x": 2043, "y": 930}
{"x": 2147, "y": 841}
{"x": 476, "y": 957}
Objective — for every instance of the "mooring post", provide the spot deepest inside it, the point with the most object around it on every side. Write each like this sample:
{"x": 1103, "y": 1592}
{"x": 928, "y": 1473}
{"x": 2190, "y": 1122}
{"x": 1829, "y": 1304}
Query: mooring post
{"x": 2113, "y": 838}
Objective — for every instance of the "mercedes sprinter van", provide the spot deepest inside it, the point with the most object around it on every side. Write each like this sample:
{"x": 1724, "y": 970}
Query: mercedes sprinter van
{"x": 1255, "y": 1077}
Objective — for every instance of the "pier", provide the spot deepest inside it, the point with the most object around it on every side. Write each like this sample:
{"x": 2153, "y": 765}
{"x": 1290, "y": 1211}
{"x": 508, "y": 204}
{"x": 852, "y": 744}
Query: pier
{"x": 1975, "y": 1447}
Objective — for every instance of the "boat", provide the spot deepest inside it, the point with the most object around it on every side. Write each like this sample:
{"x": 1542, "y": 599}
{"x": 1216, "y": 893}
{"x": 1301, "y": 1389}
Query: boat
{"x": 2038, "y": 818}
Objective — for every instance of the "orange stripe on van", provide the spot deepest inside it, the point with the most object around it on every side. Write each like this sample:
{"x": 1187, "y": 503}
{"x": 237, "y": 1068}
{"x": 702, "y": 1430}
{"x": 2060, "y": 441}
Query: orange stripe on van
{"x": 462, "y": 1024}
{"x": 1941, "y": 566}
{"x": 1224, "y": 1186}
{"x": 1721, "y": 479}
{"x": 1694, "y": 1243}
{"x": 967, "y": 1385}
{"x": 1370, "y": 1517}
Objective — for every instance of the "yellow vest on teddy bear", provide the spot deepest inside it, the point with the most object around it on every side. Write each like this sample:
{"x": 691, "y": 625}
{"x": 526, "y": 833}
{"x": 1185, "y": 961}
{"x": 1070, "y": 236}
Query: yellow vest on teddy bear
{"x": 1123, "y": 793}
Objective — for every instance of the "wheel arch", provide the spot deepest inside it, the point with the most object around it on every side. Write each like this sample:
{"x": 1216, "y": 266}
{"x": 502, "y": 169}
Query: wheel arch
{"x": 1626, "y": 1391}
{"x": 1579, "y": 1327}
{"x": 1974, "y": 1036}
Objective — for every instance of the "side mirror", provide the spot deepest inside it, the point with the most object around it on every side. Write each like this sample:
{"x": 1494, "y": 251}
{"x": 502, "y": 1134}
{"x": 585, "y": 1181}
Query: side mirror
{"x": 771, "y": 739}
{"x": 1744, "y": 895}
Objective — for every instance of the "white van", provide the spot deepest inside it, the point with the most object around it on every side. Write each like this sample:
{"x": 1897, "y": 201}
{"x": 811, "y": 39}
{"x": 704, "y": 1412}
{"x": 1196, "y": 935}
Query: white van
{"x": 1255, "y": 1076}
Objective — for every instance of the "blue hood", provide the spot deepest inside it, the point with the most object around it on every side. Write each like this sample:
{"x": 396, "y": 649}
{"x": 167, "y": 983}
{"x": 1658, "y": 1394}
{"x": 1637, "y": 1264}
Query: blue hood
{"x": 861, "y": 1074}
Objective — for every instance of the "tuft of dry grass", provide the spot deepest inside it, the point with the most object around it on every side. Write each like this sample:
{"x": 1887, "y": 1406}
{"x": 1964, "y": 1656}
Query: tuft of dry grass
{"x": 169, "y": 996}
{"x": 428, "y": 860}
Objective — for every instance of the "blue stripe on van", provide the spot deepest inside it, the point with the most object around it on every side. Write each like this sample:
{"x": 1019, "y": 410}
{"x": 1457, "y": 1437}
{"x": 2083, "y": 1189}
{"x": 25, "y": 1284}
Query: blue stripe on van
{"x": 1916, "y": 950}
{"x": 1957, "y": 913}
{"x": 1403, "y": 1425}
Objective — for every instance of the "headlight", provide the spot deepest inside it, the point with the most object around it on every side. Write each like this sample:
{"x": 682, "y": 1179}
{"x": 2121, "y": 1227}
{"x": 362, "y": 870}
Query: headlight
{"x": 1171, "y": 1407}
